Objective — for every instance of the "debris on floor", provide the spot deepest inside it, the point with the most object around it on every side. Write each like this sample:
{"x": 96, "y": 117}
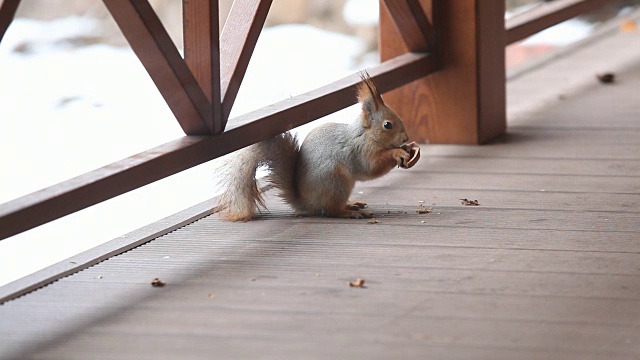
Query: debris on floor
{"x": 468, "y": 202}
{"x": 373, "y": 221}
{"x": 359, "y": 283}
{"x": 606, "y": 78}
{"x": 422, "y": 209}
{"x": 158, "y": 283}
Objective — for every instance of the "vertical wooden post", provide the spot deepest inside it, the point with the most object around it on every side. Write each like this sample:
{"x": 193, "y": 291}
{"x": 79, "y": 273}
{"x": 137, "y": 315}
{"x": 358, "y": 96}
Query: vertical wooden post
{"x": 202, "y": 51}
{"x": 464, "y": 102}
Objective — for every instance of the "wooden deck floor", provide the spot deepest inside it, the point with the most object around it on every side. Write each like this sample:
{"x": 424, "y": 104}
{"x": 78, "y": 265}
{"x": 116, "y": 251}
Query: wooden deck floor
{"x": 547, "y": 267}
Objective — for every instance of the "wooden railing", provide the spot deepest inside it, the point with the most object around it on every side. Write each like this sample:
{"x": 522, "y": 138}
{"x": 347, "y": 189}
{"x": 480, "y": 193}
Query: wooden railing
{"x": 459, "y": 43}
{"x": 542, "y": 17}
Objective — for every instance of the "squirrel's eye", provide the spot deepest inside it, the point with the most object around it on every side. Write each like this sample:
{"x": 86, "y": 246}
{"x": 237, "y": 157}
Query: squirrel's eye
{"x": 388, "y": 125}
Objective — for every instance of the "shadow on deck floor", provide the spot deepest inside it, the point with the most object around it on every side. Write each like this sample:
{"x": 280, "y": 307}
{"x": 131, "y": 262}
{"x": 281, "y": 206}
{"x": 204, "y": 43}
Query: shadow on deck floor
{"x": 548, "y": 266}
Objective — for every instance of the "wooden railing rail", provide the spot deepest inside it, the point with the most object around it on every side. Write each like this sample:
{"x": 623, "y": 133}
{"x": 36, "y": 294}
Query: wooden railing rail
{"x": 462, "y": 102}
{"x": 546, "y": 15}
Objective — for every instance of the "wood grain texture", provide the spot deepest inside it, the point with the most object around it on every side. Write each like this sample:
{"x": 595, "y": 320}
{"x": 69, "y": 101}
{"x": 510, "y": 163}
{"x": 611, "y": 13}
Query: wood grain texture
{"x": 464, "y": 102}
{"x": 171, "y": 75}
{"x": 546, "y": 15}
{"x": 165, "y": 160}
{"x": 412, "y": 23}
{"x": 8, "y": 10}
{"x": 202, "y": 52}
{"x": 239, "y": 37}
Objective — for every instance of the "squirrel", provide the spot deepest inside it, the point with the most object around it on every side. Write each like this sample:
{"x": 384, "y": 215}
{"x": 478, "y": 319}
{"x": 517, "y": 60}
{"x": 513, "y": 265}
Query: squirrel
{"x": 317, "y": 178}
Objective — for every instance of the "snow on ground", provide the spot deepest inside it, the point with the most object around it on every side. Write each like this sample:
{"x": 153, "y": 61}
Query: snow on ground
{"x": 66, "y": 109}
{"x": 563, "y": 34}
{"x": 361, "y": 12}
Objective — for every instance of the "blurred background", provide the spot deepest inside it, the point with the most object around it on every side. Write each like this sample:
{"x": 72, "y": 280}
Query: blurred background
{"x": 356, "y": 18}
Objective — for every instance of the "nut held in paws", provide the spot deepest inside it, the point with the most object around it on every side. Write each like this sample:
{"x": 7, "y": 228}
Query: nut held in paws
{"x": 414, "y": 150}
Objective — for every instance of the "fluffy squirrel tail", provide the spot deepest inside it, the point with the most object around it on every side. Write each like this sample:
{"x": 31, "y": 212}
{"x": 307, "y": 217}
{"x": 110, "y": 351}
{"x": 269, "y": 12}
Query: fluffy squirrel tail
{"x": 241, "y": 196}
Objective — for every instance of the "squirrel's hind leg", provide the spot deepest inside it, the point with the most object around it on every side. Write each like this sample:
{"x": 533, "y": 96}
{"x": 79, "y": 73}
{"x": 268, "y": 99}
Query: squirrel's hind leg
{"x": 326, "y": 191}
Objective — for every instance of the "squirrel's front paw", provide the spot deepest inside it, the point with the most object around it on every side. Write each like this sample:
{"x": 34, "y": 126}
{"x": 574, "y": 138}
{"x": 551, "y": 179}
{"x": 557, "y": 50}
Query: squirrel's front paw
{"x": 401, "y": 156}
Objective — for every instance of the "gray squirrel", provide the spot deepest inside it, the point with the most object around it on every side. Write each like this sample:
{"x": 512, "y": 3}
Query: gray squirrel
{"x": 317, "y": 177}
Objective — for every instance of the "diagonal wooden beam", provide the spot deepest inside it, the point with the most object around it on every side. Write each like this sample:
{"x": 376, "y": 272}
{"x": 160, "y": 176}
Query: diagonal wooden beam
{"x": 412, "y": 24}
{"x": 202, "y": 51}
{"x": 238, "y": 40}
{"x": 155, "y": 49}
{"x": 7, "y": 12}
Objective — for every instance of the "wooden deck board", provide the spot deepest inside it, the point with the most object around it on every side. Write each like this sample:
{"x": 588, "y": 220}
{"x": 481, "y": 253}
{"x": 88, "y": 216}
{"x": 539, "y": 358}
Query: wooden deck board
{"x": 547, "y": 267}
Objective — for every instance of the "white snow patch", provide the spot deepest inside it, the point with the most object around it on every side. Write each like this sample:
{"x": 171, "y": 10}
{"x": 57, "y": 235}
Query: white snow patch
{"x": 361, "y": 12}
{"x": 47, "y": 35}
{"x": 562, "y": 34}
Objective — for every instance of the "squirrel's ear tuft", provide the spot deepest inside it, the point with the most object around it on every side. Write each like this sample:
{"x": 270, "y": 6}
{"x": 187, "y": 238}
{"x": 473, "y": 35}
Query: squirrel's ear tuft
{"x": 368, "y": 94}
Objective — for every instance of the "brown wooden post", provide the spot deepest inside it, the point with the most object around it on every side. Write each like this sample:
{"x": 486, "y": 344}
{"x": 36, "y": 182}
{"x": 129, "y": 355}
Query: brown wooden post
{"x": 7, "y": 12}
{"x": 201, "y": 25}
{"x": 464, "y": 102}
